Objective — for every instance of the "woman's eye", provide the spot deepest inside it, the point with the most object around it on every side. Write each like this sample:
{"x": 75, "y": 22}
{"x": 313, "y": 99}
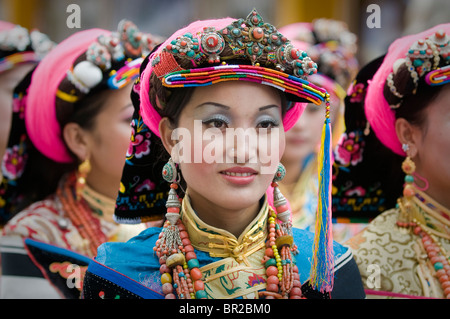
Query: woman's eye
{"x": 267, "y": 124}
{"x": 216, "y": 123}
{"x": 312, "y": 108}
{"x": 128, "y": 120}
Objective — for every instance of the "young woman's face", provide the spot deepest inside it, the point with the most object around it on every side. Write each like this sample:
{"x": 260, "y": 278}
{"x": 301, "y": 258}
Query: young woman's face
{"x": 433, "y": 146}
{"x": 111, "y": 136}
{"x": 304, "y": 137}
{"x": 234, "y": 134}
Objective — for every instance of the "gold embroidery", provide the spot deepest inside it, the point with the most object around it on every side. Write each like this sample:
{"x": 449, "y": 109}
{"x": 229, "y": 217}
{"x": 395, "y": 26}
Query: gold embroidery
{"x": 240, "y": 273}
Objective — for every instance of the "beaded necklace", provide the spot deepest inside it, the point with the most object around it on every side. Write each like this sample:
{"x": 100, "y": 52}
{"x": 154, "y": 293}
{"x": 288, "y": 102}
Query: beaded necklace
{"x": 429, "y": 221}
{"x": 181, "y": 276}
{"x": 81, "y": 215}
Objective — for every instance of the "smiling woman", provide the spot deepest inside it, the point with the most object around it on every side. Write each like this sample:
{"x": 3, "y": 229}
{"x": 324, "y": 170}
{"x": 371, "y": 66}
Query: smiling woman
{"x": 221, "y": 237}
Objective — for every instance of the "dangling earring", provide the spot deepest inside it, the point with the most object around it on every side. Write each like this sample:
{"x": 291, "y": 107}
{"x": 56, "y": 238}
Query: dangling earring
{"x": 179, "y": 264}
{"x": 405, "y": 147}
{"x": 416, "y": 176}
{"x": 83, "y": 170}
{"x": 404, "y": 219}
{"x": 281, "y": 270}
{"x": 280, "y": 202}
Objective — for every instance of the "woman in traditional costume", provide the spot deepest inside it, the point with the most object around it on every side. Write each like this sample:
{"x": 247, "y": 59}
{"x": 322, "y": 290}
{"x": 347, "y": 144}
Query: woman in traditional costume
{"x": 404, "y": 252}
{"x": 67, "y": 146}
{"x": 221, "y": 237}
{"x": 333, "y": 47}
{"x": 20, "y": 51}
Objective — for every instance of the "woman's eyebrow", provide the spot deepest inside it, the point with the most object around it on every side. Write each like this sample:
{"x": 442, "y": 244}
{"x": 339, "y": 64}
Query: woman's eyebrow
{"x": 213, "y": 104}
{"x": 268, "y": 107}
{"x": 227, "y": 107}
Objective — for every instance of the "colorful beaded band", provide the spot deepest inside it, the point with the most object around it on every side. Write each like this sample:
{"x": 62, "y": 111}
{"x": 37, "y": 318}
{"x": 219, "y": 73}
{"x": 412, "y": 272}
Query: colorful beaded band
{"x": 129, "y": 72}
{"x": 211, "y": 75}
{"x": 10, "y": 61}
{"x": 440, "y": 76}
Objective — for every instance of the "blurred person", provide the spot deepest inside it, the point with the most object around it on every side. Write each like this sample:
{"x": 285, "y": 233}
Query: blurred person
{"x": 334, "y": 47}
{"x": 67, "y": 146}
{"x": 20, "y": 51}
{"x": 405, "y": 97}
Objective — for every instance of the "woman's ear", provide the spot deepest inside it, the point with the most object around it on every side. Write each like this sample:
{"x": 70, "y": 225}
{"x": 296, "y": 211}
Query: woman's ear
{"x": 165, "y": 131}
{"x": 76, "y": 140}
{"x": 407, "y": 134}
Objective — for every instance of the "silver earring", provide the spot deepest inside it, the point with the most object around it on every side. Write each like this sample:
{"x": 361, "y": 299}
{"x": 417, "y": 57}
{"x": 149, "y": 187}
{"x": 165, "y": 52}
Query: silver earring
{"x": 405, "y": 147}
{"x": 169, "y": 172}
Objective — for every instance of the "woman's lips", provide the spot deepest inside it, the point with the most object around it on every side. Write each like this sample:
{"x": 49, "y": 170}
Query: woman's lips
{"x": 295, "y": 140}
{"x": 239, "y": 175}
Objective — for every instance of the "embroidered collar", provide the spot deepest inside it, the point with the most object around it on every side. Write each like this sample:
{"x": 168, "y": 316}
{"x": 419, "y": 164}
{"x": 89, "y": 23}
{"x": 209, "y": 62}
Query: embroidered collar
{"x": 221, "y": 243}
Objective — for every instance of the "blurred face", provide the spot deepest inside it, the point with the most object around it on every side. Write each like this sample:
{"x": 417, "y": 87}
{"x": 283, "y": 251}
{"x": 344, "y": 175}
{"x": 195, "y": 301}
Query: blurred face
{"x": 433, "y": 145}
{"x": 110, "y": 139}
{"x": 229, "y": 129}
{"x": 304, "y": 137}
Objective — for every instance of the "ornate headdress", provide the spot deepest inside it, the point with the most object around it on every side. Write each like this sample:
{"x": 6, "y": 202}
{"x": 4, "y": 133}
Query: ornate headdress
{"x": 419, "y": 59}
{"x": 205, "y": 53}
{"x": 18, "y": 45}
{"x": 99, "y": 61}
{"x": 247, "y": 49}
{"x": 427, "y": 57}
{"x": 331, "y": 45}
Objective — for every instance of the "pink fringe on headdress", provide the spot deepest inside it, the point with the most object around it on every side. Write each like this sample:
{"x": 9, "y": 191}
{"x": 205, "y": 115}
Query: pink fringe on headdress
{"x": 380, "y": 116}
{"x": 40, "y": 114}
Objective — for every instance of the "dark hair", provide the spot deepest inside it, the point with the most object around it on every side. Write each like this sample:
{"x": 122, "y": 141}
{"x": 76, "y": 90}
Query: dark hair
{"x": 414, "y": 105}
{"x": 42, "y": 175}
{"x": 415, "y": 99}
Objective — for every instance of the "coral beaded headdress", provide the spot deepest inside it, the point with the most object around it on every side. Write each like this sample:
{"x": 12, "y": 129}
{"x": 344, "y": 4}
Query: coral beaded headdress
{"x": 209, "y": 52}
{"x": 226, "y": 50}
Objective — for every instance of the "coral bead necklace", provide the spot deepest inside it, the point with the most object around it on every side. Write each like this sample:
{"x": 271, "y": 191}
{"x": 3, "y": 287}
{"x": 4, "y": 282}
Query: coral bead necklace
{"x": 81, "y": 215}
{"x": 419, "y": 214}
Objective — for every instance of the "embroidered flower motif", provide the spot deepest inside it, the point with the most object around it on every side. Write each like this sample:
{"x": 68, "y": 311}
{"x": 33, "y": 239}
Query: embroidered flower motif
{"x": 350, "y": 148}
{"x": 140, "y": 142}
{"x": 356, "y": 191}
{"x": 146, "y": 185}
{"x": 357, "y": 93}
{"x": 13, "y": 163}
{"x": 255, "y": 280}
{"x": 19, "y": 102}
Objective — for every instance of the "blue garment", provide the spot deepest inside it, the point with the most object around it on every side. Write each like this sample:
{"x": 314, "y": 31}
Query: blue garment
{"x": 137, "y": 261}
